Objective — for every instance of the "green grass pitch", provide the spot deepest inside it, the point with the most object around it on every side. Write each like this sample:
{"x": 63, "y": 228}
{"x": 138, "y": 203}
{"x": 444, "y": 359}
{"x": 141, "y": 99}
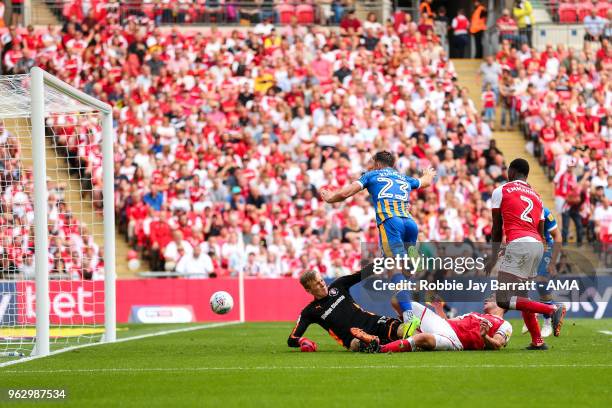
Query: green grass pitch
{"x": 250, "y": 365}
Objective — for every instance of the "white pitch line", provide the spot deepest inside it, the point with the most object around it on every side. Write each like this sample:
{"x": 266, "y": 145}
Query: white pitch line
{"x": 608, "y": 332}
{"x": 124, "y": 339}
{"x": 273, "y": 368}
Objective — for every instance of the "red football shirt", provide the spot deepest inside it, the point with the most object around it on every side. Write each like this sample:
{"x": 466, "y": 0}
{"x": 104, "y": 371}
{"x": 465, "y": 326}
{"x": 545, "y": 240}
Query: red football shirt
{"x": 521, "y": 209}
{"x": 566, "y": 183}
{"x": 548, "y": 134}
{"x": 467, "y": 328}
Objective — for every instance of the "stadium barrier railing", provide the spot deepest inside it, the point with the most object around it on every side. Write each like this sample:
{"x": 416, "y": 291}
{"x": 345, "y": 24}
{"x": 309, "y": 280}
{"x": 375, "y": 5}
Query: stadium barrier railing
{"x": 542, "y": 34}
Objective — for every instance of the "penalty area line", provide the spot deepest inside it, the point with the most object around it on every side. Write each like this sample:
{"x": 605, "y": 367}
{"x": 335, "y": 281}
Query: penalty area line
{"x": 272, "y": 368}
{"x": 121, "y": 340}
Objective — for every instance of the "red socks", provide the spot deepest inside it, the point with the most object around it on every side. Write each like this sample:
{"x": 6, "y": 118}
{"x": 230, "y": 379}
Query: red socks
{"x": 397, "y": 346}
{"x": 526, "y": 305}
{"x": 531, "y": 321}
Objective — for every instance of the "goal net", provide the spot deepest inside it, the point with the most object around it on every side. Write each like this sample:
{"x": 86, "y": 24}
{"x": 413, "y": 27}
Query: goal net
{"x": 56, "y": 217}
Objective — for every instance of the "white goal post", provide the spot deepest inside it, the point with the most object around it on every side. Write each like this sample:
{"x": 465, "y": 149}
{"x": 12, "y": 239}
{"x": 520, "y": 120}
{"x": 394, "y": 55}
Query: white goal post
{"x": 34, "y": 109}
{"x": 40, "y": 78}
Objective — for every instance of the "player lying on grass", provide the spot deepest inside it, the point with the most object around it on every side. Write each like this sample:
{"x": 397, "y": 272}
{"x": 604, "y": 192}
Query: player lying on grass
{"x": 472, "y": 331}
{"x": 334, "y": 310}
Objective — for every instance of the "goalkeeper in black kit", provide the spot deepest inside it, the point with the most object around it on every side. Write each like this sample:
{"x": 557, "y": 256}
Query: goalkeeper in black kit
{"x": 334, "y": 309}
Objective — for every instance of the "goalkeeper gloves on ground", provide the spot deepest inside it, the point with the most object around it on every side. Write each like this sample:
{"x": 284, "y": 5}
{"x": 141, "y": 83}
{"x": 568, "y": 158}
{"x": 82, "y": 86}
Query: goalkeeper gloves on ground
{"x": 307, "y": 345}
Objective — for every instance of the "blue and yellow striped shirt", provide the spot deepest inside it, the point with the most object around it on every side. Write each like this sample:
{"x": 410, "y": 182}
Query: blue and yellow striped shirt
{"x": 389, "y": 191}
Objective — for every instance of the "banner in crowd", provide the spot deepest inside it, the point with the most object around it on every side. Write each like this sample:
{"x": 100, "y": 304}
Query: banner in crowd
{"x": 82, "y": 302}
{"x": 265, "y": 299}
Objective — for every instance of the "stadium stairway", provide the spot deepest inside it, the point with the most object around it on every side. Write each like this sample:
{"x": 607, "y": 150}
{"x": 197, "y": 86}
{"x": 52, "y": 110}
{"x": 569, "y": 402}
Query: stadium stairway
{"x": 81, "y": 205}
{"x": 42, "y": 14}
{"x": 512, "y": 144}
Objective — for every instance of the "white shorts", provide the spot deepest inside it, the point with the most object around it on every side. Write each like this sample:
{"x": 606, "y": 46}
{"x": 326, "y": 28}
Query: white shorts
{"x": 446, "y": 338}
{"x": 522, "y": 257}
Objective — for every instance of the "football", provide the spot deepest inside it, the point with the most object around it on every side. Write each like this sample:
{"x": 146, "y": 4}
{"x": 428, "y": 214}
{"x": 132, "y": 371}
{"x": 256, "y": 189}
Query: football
{"x": 221, "y": 302}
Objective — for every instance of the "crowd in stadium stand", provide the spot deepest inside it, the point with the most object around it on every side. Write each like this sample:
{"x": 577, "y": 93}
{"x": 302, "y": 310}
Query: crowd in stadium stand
{"x": 209, "y": 11}
{"x": 73, "y": 253}
{"x": 225, "y": 137}
{"x": 576, "y": 11}
{"x": 562, "y": 100}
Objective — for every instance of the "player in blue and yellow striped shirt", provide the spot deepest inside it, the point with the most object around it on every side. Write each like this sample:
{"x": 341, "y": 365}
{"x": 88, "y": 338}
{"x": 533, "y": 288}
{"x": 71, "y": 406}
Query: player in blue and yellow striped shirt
{"x": 390, "y": 194}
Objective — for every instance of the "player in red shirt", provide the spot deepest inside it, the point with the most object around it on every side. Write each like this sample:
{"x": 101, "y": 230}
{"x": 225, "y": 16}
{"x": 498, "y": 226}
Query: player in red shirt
{"x": 472, "y": 331}
{"x": 519, "y": 210}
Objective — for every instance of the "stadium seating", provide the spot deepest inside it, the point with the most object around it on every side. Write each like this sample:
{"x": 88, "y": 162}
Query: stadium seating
{"x": 73, "y": 252}
{"x": 285, "y": 13}
{"x": 573, "y": 11}
{"x": 568, "y": 12}
{"x": 584, "y": 9}
{"x": 305, "y": 14}
{"x": 603, "y": 7}
{"x": 246, "y": 168}
{"x": 225, "y": 138}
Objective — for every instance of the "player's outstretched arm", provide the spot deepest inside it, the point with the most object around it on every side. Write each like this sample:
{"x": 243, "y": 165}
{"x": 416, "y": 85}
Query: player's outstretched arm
{"x": 556, "y": 250}
{"x": 496, "y": 228}
{"x": 349, "y": 280}
{"x": 295, "y": 338}
{"x": 340, "y": 195}
{"x": 427, "y": 178}
{"x": 496, "y": 238}
{"x": 492, "y": 343}
{"x": 541, "y": 230}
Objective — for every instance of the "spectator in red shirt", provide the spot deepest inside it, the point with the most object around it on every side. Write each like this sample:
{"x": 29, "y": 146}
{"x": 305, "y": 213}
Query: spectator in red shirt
{"x": 507, "y": 27}
{"x": 460, "y": 25}
{"x": 350, "y": 24}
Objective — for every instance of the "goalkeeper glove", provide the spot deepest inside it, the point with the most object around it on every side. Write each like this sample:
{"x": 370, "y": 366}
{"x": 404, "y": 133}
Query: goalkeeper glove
{"x": 307, "y": 345}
